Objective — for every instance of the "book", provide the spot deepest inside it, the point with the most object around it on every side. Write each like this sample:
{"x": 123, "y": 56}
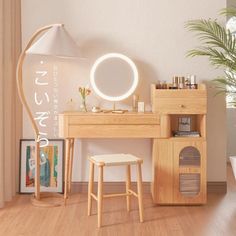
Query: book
{"x": 186, "y": 134}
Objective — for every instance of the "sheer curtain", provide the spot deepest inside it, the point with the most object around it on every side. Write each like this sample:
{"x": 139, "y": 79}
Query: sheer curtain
{"x": 10, "y": 107}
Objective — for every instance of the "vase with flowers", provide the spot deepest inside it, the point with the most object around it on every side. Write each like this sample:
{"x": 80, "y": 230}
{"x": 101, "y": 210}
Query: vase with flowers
{"x": 84, "y": 92}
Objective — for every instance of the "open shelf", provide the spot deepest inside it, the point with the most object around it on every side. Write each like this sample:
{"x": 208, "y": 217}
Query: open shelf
{"x": 188, "y": 124}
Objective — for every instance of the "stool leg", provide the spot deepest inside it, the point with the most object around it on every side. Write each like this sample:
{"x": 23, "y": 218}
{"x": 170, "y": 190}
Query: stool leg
{"x": 67, "y": 159}
{"x": 71, "y": 163}
{"x": 90, "y": 187}
{"x": 140, "y": 191}
{"x": 100, "y": 195}
{"x": 128, "y": 187}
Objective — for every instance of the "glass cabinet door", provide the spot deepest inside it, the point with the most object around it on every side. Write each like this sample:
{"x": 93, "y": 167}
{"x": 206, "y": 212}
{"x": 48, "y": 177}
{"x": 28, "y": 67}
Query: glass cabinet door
{"x": 189, "y": 183}
{"x": 189, "y": 156}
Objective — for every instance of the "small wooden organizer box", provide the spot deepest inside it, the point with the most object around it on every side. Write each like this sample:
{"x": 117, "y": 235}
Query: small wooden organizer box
{"x": 179, "y": 163}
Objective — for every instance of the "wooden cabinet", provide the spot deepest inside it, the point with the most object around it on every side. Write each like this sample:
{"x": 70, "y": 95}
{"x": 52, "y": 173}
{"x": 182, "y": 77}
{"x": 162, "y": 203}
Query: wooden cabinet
{"x": 179, "y": 163}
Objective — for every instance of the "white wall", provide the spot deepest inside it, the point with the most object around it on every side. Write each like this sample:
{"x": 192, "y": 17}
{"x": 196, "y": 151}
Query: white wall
{"x": 231, "y": 132}
{"x": 152, "y": 33}
{"x": 231, "y": 116}
{"x": 231, "y": 3}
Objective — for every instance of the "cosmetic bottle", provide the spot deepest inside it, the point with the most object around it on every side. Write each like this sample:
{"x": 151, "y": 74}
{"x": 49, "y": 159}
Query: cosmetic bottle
{"x": 181, "y": 82}
{"x": 164, "y": 85}
{"x": 193, "y": 82}
{"x": 174, "y": 83}
{"x": 135, "y": 103}
{"x": 187, "y": 82}
{"x": 158, "y": 85}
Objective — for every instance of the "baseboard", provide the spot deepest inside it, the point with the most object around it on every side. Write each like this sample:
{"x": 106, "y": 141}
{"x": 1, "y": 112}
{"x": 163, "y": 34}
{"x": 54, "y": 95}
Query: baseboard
{"x": 110, "y": 187}
{"x": 217, "y": 187}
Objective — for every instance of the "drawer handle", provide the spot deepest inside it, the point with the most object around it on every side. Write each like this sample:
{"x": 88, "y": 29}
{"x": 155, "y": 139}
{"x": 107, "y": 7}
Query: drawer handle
{"x": 182, "y": 106}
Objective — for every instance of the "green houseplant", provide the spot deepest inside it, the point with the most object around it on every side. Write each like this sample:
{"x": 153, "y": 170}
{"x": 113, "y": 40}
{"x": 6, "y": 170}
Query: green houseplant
{"x": 218, "y": 44}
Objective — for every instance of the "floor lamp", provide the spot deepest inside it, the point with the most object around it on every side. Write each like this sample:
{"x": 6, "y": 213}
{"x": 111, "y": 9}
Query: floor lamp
{"x": 54, "y": 42}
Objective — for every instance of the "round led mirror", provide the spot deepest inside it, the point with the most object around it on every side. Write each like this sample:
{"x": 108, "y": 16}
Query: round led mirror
{"x": 114, "y": 77}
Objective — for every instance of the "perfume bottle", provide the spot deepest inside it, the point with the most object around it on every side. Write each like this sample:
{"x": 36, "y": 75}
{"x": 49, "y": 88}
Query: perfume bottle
{"x": 174, "y": 83}
{"x": 135, "y": 103}
{"x": 188, "y": 82}
{"x": 181, "y": 82}
{"x": 164, "y": 85}
{"x": 193, "y": 82}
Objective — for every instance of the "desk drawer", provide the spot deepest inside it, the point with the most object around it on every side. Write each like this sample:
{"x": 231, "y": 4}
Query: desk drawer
{"x": 179, "y": 101}
{"x": 114, "y": 131}
{"x": 108, "y": 119}
{"x": 103, "y": 125}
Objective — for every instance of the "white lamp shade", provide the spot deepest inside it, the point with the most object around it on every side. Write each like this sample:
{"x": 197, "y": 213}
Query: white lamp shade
{"x": 55, "y": 42}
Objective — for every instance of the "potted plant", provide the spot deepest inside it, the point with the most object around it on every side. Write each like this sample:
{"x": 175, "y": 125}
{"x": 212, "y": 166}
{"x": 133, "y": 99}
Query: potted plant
{"x": 218, "y": 44}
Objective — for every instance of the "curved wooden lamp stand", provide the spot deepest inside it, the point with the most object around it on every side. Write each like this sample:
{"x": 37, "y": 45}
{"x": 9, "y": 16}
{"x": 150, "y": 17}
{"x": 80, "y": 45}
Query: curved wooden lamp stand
{"x": 37, "y": 197}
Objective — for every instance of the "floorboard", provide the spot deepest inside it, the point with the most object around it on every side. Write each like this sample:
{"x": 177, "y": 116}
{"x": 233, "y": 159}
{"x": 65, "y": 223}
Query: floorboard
{"x": 217, "y": 218}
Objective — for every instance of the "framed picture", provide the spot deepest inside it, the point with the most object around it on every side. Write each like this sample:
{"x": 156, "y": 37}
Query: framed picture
{"x": 51, "y": 166}
{"x": 185, "y": 123}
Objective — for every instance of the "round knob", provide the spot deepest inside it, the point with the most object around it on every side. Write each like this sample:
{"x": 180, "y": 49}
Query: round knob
{"x": 182, "y": 106}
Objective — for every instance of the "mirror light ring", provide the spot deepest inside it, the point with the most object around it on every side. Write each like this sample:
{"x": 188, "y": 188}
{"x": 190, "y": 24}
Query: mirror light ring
{"x": 105, "y": 57}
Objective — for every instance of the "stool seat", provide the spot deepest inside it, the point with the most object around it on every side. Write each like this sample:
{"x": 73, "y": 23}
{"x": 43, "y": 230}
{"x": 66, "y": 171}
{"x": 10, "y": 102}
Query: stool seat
{"x": 115, "y": 159}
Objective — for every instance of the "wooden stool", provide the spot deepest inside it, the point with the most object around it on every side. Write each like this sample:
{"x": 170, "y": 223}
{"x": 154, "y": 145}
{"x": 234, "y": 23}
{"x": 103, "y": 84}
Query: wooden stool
{"x": 114, "y": 160}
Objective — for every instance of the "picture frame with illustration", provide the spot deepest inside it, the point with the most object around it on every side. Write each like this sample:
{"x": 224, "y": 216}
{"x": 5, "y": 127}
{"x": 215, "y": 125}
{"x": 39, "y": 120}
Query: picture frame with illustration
{"x": 51, "y": 166}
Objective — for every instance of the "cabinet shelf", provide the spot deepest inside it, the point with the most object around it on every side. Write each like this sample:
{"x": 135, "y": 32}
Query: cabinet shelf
{"x": 190, "y": 169}
{"x": 187, "y": 139}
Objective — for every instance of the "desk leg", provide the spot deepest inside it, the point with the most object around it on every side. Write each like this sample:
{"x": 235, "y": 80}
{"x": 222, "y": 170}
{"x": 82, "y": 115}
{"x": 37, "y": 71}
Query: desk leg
{"x": 90, "y": 187}
{"x": 72, "y": 141}
{"x": 67, "y": 160}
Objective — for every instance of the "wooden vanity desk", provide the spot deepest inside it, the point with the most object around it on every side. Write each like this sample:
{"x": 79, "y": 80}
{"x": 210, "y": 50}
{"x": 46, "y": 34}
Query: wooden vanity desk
{"x": 178, "y": 163}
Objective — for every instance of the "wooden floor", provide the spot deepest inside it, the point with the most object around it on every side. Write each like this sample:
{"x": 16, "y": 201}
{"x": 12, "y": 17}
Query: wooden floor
{"x": 217, "y": 218}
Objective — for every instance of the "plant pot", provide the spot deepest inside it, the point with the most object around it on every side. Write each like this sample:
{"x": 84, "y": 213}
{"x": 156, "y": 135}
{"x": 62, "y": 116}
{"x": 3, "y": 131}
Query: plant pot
{"x": 233, "y": 164}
